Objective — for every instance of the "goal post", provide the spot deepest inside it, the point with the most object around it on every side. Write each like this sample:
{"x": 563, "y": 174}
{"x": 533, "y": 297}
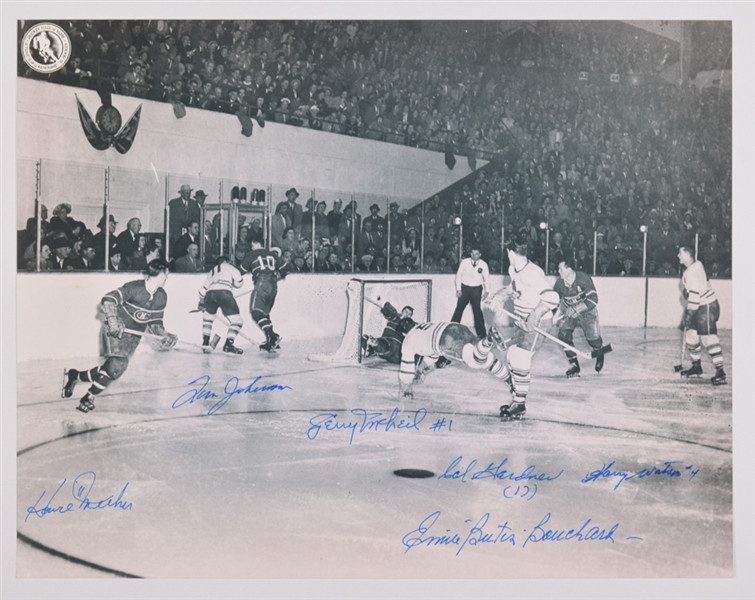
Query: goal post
{"x": 364, "y": 318}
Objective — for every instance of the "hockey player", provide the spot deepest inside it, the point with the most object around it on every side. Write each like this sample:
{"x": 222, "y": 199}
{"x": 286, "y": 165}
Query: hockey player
{"x": 451, "y": 340}
{"x": 263, "y": 264}
{"x": 700, "y": 317}
{"x": 216, "y": 293}
{"x": 578, "y": 307}
{"x": 388, "y": 345}
{"x": 137, "y": 305}
{"x": 534, "y": 303}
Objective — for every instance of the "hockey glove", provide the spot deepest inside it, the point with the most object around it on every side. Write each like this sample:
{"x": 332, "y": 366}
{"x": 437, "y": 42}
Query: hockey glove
{"x": 115, "y": 326}
{"x": 575, "y": 310}
{"x": 200, "y": 304}
{"x": 168, "y": 341}
{"x": 389, "y": 312}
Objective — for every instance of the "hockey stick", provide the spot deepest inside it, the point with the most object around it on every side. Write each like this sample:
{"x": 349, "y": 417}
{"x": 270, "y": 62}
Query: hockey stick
{"x": 594, "y": 354}
{"x": 226, "y": 322}
{"x": 680, "y": 366}
{"x": 152, "y": 336}
{"x": 371, "y": 301}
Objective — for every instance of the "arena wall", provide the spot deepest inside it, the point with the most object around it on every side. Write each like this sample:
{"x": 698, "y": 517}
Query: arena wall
{"x": 57, "y": 312}
{"x": 210, "y": 144}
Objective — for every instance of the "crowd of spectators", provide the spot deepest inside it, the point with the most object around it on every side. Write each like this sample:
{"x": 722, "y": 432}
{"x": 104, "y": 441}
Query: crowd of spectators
{"x": 592, "y": 160}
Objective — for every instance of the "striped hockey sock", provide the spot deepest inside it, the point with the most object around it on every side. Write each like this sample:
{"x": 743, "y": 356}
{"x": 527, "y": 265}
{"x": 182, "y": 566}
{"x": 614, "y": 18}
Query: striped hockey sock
{"x": 713, "y": 346}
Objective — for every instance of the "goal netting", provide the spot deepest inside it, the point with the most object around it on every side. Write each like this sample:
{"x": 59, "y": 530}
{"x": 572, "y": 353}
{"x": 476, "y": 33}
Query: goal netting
{"x": 364, "y": 317}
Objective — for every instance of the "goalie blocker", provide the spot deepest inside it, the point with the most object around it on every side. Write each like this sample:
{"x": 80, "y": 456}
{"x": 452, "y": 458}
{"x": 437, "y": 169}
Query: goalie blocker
{"x": 131, "y": 311}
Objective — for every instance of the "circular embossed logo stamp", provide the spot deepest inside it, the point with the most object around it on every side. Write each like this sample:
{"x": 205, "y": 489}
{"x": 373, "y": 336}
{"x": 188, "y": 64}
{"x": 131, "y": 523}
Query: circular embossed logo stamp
{"x": 46, "y": 48}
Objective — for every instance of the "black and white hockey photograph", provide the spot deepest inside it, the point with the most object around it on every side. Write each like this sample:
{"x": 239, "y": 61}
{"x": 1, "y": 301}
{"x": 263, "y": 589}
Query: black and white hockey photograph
{"x": 315, "y": 294}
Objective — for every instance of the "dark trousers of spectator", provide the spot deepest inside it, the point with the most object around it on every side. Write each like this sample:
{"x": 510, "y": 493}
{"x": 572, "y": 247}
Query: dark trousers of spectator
{"x": 473, "y": 296}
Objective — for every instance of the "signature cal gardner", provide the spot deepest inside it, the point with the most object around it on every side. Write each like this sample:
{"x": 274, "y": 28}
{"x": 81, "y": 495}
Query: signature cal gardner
{"x": 81, "y": 488}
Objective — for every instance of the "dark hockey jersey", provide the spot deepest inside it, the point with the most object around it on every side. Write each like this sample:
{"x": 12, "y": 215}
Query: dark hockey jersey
{"x": 396, "y": 327}
{"x": 137, "y": 308}
{"x": 262, "y": 261}
{"x": 582, "y": 289}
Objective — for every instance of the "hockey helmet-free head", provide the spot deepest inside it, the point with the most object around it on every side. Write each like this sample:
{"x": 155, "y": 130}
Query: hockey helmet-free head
{"x": 155, "y": 267}
{"x": 518, "y": 244}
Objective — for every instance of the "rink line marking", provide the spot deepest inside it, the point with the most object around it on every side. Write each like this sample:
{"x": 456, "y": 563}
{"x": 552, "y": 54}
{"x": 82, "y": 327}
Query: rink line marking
{"x": 74, "y": 559}
{"x": 175, "y": 387}
{"x": 338, "y": 410}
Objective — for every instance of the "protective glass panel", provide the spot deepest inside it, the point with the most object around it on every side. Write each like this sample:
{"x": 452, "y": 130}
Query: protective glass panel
{"x": 136, "y": 200}
{"x": 191, "y": 199}
{"x": 26, "y": 215}
{"x": 75, "y": 196}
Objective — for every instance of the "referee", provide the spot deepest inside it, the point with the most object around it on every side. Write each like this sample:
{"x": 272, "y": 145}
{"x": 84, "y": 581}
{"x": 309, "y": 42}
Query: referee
{"x": 471, "y": 287}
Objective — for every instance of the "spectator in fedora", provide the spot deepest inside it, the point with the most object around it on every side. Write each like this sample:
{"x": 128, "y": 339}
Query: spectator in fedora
{"x": 61, "y": 252}
{"x": 182, "y": 211}
{"x": 199, "y": 197}
{"x": 374, "y": 219}
{"x": 115, "y": 264}
{"x": 99, "y": 240}
{"x": 295, "y": 211}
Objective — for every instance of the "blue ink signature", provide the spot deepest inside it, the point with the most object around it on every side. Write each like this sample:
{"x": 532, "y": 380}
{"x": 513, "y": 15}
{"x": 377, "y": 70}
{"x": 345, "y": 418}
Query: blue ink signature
{"x": 231, "y": 389}
{"x": 668, "y": 469}
{"x": 478, "y": 535}
{"x": 498, "y": 473}
{"x": 368, "y": 421}
{"x": 80, "y": 490}
{"x": 594, "y": 533}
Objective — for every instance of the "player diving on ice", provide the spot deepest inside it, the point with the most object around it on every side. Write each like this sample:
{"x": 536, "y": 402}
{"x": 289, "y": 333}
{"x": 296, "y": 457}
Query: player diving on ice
{"x": 388, "y": 345}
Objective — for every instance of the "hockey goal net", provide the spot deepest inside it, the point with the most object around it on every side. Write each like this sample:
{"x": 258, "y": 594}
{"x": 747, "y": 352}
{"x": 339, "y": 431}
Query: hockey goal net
{"x": 364, "y": 317}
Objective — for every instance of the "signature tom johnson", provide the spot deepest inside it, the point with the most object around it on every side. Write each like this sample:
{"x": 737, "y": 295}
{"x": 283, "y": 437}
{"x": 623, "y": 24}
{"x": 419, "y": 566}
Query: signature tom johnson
{"x": 232, "y": 388}
{"x": 81, "y": 488}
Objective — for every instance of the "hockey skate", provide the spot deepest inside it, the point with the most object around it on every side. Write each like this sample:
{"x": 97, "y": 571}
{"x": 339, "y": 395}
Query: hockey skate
{"x": 206, "y": 348}
{"x": 442, "y": 362}
{"x": 70, "y": 379}
{"x": 599, "y": 363}
{"x": 513, "y": 411}
{"x": 276, "y": 341}
{"x": 719, "y": 378}
{"x": 494, "y": 337}
{"x": 231, "y": 349}
{"x": 573, "y": 371}
{"x": 695, "y": 369}
{"x": 86, "y": 404}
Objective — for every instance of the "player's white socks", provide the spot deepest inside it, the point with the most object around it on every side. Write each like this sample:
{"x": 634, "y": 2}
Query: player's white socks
{"x": 693, "y": 344}
{"x": 520, "y": 362}
{"x": 713, "y": 346}
{"x": 235, "y": 324}
{"x": 207, "y": 320}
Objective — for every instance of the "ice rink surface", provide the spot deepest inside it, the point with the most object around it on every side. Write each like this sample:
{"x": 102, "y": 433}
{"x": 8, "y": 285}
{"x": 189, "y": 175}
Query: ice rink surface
{"x": 626, "y": 473}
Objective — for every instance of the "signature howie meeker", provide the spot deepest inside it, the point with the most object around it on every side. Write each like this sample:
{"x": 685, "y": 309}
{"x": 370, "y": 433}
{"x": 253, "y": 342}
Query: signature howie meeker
{"x": 46, "y": 48}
